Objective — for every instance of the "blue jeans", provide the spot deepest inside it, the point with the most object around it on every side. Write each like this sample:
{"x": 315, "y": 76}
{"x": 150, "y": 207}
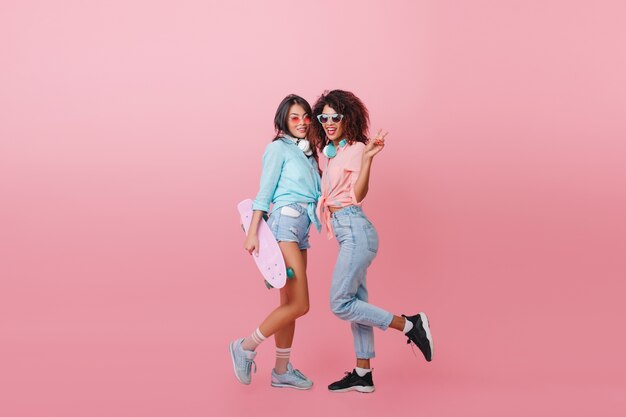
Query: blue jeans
{"x": 358, "y": 244}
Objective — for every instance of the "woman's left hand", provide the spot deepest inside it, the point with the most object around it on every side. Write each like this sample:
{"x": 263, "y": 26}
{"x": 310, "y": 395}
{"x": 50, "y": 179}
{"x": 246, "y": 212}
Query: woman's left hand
{"x": 375, "y": 145}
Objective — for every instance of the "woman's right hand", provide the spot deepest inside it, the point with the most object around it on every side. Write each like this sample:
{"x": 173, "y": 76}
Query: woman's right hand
{"x": 251, "y": 244}
{"x": 374, "y": 146}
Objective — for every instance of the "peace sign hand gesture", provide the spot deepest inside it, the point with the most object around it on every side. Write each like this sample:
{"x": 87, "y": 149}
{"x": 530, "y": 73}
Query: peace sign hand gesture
{"x": 375, "y": 145}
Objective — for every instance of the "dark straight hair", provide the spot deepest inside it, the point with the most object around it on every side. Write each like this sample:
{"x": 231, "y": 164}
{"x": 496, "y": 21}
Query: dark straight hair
{"x": 282, "y": 115}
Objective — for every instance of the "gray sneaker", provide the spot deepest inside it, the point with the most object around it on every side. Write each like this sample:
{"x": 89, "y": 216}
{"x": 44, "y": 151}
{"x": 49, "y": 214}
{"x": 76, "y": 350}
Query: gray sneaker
{"x": 242, "y": 361}
{"x": 291, "y": 379}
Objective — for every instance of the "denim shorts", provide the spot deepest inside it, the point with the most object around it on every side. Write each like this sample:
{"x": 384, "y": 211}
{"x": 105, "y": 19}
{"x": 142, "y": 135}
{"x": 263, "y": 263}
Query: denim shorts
{"x": 291, "y": 223}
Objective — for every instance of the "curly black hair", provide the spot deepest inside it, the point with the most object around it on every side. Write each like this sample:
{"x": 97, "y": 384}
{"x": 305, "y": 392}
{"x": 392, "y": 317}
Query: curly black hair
{"x": 355, "y": 120}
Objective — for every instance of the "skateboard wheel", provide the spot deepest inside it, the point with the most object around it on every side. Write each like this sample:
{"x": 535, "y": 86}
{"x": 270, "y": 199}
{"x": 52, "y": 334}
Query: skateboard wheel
{"x": 290, "y": 273}
{"x": 268, "y": 285}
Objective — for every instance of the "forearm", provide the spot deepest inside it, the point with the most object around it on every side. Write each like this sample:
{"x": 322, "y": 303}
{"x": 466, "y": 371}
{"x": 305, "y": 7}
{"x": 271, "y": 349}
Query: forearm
{"x": 361, "y": 187}
{"x": 254, "y": 223}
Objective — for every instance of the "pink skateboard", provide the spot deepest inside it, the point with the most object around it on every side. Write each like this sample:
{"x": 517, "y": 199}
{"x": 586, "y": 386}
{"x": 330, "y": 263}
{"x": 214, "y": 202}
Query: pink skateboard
{"x": 270, "y": 259}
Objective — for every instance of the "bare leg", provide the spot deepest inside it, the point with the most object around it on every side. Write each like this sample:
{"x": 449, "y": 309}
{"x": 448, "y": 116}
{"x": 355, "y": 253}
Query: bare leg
{"x": 295, "y": 298}
{"x": 284, "y": 336}
{"x": 398, "y": 323}
{"x": 363, "y": 363}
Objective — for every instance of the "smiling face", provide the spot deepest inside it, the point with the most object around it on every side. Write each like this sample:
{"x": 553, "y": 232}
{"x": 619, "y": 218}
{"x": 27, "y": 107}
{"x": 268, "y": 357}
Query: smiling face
{"x": 334, "y": 130}
{"x": 298, "y": 121}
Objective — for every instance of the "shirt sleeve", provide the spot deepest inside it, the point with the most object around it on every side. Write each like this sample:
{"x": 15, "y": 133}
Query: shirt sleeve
{"x": 273, "y": 160}
{"x": 355, "y": 158}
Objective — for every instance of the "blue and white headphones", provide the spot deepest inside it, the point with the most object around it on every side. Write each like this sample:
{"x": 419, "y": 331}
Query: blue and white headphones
{"x": 330, "y": 151}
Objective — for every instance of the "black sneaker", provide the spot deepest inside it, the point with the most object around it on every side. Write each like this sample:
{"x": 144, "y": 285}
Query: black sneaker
{"x": 353, "y": 382}
{"x": 420, "y": 334}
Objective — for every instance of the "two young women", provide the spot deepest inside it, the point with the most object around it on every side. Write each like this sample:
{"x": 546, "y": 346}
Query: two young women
{"x": 291, "y": 181}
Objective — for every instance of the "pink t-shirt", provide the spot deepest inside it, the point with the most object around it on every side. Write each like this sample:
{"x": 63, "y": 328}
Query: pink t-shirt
{"x": 338, "y": 181}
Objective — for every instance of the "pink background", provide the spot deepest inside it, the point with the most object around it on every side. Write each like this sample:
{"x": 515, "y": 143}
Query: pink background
{"x": 129, "y": 130}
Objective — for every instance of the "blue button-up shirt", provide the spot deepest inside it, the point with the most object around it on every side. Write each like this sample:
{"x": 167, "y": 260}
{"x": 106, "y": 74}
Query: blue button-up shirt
{"x": 288, "y": 176}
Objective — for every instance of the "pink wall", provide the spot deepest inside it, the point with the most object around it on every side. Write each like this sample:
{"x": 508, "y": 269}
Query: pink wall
{"x": 129, "y": 130}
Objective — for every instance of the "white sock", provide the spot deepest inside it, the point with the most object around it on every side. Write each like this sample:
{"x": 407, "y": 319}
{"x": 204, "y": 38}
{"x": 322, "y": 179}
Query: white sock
{"x": 362, "y": 371}
{"x": 253, "y": 341}
{"x": 282, "y": 360}
{"x": 408, "y": 325}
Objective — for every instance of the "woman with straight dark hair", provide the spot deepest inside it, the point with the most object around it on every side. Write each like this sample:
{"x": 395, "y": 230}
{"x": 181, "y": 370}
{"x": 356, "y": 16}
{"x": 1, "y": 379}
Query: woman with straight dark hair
{"x": 290, "y": 182}
{"x": 341, "y": 135}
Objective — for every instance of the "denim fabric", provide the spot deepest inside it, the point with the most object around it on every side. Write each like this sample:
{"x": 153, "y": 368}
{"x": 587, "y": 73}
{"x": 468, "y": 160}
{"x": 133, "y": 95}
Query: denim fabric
{"x": 291, "y": 229}
{"x": 358, "y": 244}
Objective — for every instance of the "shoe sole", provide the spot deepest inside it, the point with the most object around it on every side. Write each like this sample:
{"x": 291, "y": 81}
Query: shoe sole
{"x": 277, "y": 385}
{"x": 426, "y": 326}
{"x": 232, "y": 358}
{"x": 365, "y": 390}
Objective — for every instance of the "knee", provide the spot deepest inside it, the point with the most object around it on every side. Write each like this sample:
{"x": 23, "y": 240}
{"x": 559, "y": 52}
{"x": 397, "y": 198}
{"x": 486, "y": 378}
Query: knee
{"x": 303, "y": 309}
{"x": 341, "y": 309}
{"x": 300, "y": 309}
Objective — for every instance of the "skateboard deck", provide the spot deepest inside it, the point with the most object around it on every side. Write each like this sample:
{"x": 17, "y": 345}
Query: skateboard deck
{"x": 270, "y": 259}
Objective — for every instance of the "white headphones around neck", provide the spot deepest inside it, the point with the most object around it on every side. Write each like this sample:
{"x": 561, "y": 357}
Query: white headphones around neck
{"x": 303, "y": 144}
{"x": 330, "y": 151}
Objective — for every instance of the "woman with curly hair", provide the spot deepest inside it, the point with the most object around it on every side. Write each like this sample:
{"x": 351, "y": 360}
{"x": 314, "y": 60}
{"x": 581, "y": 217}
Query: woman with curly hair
{"x": 341, "y": 135}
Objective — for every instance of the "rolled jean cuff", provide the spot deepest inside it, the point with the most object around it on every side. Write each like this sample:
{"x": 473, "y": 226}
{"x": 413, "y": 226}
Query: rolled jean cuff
{"x": 363, "y": 355}
{"x": 386, "y": 326}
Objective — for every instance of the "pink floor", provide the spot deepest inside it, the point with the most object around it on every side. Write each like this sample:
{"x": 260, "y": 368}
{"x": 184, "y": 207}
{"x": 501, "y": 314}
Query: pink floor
{"x": 156, "y": 345}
